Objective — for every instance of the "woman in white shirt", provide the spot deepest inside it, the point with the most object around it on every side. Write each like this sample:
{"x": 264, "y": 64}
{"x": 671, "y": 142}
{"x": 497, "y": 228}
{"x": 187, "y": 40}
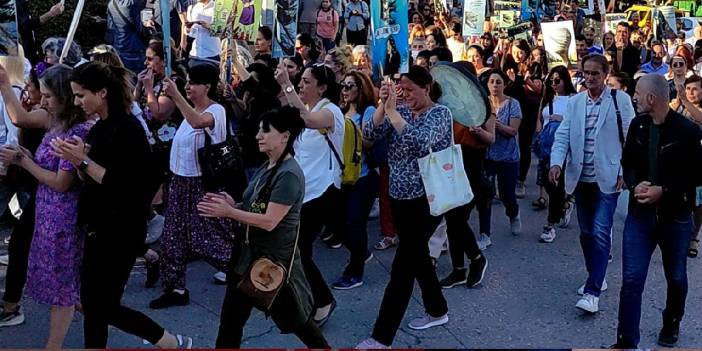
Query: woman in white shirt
{"x": 187, "y": 235}
{"x": 199, "y": 18}
{"x": 319, "y": 95}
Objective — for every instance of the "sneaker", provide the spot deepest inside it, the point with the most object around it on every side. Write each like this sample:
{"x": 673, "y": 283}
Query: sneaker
{"x": 565, "y": 220}
{"x": 369, "y": 257}
{"x": 476, "y": 271}
{"x": 515, "y": 225}
{"x": 170, "y": 299}
{"x": 548, "y": 234}
{"x": 333, "y": 243}
{"x": 484, "y": 242}
{"x": 371, "y": 344}
{"x": 8, "y": 319}
{"x": 220, "y": 278}
{"x": 184, "y": 342}
{"x": 386, "y": 242}
{"x": 520, "y": 190}
{"x": 426, "y": 321}
{"x": 152, "y": 273}
{"x": 588, "y": 303}
{"x": 5, "y": 260}
{"x": 669, "y": 334}
{"x": 581, "y": 289}
{"x": 347, "y": 283}
{"x": 456, "y": 277}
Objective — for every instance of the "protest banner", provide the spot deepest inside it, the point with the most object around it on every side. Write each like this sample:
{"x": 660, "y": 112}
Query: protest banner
{"x": 285, "y": 29}
{"x": 166, "y": 28}
{"x": 473, "y": 17}
{"x": 9, "y": 35}
{"x": 508, "y": 18}
{"x": 243, "y": 15}
{"x": 389, "y": 26}
{"x": 666, "y": 27}
{"x": 612, "y": 19}
{"x": 530, "y": 9}
{"x": 559, "y": 42}
{"x": 72, "y": 29}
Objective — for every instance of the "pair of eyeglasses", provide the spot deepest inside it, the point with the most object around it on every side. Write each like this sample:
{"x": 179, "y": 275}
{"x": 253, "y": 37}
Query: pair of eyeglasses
{"x": 348, "y": 86}
{"x": 555, "y": 81}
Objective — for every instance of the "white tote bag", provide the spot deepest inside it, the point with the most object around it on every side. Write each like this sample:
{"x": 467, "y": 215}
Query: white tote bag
{"x": 445, "y": 179}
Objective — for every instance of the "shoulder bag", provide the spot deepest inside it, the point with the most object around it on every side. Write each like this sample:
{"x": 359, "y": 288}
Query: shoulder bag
{"x": 221, "y": 165}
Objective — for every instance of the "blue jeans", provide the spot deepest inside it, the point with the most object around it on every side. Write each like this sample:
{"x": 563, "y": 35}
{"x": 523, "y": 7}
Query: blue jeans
{"x": 642, "y": 233}
{"x": 595, "y": 216}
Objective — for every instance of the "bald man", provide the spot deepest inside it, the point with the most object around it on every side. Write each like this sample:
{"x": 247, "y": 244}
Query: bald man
{"x": 660, "y": 147}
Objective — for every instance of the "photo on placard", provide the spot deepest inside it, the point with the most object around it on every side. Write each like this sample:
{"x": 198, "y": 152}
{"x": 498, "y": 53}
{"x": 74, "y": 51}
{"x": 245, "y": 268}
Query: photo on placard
{"x": 246, "y": 17}
{"x": 9, "y": 36}
{"x": 389, "y": 37}
{"x": 612, "y": 19}
{"x": 285, "y": 29}
{"x": 559, "y": 42}
{"x": 473, "y": 17}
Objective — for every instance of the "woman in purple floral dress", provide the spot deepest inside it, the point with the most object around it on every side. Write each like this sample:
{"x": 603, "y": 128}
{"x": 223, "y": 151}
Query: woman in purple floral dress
{"x": 54, "y": 259}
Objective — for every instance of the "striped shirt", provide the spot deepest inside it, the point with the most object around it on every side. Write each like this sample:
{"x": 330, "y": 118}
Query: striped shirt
{"x": 592, "y": 114}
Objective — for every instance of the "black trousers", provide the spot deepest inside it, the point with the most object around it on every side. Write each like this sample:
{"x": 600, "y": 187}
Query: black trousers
{"x": 313, "y": 216}
{"x": 526, "y": 135}
{"x": 556, "y": 195}
{"x": 236, "y": 310}
{"x": 107, "y": 263}
{"x": 415, "y": 226}
{"x": 460, "y": 237}
{"x": 357, "y": 37}
{"x": 359, "y": 199}
{"x": 20, "y": 244}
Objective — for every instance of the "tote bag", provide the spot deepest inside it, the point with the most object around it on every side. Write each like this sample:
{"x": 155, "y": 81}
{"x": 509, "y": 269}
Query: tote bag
{"x": 445, "y": 179}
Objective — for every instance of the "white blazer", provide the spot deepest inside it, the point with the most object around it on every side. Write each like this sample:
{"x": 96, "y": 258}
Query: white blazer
{"x": 569, "y": 140}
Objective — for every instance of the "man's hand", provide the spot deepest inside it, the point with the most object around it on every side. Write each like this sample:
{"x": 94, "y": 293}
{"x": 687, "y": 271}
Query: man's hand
{"x": 553, "y": 174}
{"x": 645, "y": 193}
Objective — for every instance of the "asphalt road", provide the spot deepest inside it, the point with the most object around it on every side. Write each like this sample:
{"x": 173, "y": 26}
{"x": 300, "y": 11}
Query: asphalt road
{"x": 527, "y": 300}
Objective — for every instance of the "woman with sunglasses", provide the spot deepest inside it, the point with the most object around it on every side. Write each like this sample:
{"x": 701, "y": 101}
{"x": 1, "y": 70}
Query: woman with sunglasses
{"x": 314, "y": 151}
{"x": 558, "y": 90}
{"x": 680, "y": 69}
{"x": 358, "y": 105}
{"x": 186, "y": 235}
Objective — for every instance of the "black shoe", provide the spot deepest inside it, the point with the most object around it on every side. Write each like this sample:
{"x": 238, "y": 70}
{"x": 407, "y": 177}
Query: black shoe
{"x": 669, "y": 334}
{"x": 476, "y": 271}
{"x": 169, "y": 299}
{"x": 333, "y": 242}
{"x": 152, "y": 274}
{"x": 457, "y": 277}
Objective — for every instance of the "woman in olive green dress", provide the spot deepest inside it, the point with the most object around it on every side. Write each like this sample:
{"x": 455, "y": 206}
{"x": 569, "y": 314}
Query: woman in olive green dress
{"x": 271, "y": 209}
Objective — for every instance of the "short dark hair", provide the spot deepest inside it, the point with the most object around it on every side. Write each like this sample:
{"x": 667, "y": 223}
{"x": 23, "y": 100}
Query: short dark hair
{"x": 267, "y": 32}
{"x": 421, "y": 77}
{"x": 579, "y": 37}
{"x": 600, "y": 59}
{"x": 693, "y": 79}
{"x": 625, "y": 25}
{"x": 425, "y": 54}
{"x": 442, "y": 53}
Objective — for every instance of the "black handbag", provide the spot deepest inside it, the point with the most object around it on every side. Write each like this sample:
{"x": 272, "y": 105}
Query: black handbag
{"x": 221, "y": 165}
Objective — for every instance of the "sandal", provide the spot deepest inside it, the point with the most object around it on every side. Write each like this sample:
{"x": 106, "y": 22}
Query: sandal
{"x": 385, "y": 243}
{"x": 540, "y": 203}
{"x": 694, "y": 248}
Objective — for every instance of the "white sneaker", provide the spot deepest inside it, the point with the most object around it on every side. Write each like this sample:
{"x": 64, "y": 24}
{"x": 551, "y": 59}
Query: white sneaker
{"x": 371, "y": 344}
{"x": 4, "y": 259}
{"x": 581, "y": 289}
{"x": 484, "y": 241}
{"x": 548, "y": 234}
{"x": 588, "y": 303}
{"x": 220, "y": 278}
{"x": 515, "y": 225}
{"x": 426, "y": 321}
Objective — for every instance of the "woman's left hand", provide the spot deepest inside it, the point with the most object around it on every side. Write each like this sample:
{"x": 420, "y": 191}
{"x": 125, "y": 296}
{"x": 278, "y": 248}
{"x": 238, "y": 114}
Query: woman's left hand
{"x": 215, "y": 207}
{"x": 73, "y": 150}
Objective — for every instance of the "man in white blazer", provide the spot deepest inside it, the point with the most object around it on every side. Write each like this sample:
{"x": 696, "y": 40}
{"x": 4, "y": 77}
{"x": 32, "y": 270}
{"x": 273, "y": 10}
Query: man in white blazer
{"x": 589, "y": 143}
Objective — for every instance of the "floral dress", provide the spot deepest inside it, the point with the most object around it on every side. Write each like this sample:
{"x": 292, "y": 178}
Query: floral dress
{"x": 54, "y": 258}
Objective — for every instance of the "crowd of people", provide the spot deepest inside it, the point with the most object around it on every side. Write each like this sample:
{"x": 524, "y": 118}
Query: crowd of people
{"x": 107, "y": 156}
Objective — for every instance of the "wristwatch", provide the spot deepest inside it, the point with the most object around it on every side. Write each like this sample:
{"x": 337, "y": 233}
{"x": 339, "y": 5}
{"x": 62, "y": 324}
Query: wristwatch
{"x": 289, "y": 89}
{"x": 83, "y": 165}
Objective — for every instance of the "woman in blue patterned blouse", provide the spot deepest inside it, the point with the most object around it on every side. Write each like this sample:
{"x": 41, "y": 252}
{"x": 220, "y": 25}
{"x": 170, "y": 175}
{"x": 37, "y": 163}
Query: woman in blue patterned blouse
{"x": 412, "y": 129}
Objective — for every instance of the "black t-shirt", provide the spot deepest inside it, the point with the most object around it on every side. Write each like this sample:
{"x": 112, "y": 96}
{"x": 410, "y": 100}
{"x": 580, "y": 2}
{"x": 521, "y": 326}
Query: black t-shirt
{"x": 120, "y": 205}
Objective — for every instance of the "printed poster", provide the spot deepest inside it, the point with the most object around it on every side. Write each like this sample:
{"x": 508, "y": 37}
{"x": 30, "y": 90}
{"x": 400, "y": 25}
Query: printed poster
{"x": 285, "y": 29}
{"x": 612, "y": 19}
{"x": 9, "y": 36}
{"x": 531, "y": 8}
{"x": 559, "y": 42}
{"x": 389, "y": 25}
{"x": 508, "y": 18}
{"x": 666, "y": 27}
{"x": 247, "y": 17}
{"x": 473, "y": 17}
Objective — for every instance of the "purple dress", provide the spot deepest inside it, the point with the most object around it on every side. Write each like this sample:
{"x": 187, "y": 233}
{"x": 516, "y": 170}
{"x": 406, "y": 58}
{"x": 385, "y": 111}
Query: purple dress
{"x": 247, "y": 13}
{"x": 54, "y": 258}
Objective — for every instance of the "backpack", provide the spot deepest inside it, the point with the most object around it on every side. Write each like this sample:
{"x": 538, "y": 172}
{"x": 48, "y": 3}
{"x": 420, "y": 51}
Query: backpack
{"x": 544, "y": 140}
{"x": 352, "y": 151}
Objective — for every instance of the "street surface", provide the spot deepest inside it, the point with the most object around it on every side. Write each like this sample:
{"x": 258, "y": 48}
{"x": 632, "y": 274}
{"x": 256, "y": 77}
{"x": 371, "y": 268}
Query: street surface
{"x": 527, "y": 299}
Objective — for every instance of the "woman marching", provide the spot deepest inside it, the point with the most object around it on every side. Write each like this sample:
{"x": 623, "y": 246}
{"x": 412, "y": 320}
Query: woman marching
{"x": 114, "y": 162}
{"x": 271, "y": 210}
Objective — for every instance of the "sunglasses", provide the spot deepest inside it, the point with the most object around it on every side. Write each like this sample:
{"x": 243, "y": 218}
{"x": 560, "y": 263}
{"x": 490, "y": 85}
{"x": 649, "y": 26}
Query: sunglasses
{"x": 678, "y": 64}
{"x": 150, "y": 58}
{"x": 555, "y": 81}
{"x": 348, "y": 86}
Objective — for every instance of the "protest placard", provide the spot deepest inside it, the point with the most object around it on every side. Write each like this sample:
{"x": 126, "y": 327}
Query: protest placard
{"x": 285, "y": 29}
{"x": 9, "y": 35}
{"x": 559, "y": 42}
{"x": 473, "y": 17}
{"x": 389, "y": 25}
